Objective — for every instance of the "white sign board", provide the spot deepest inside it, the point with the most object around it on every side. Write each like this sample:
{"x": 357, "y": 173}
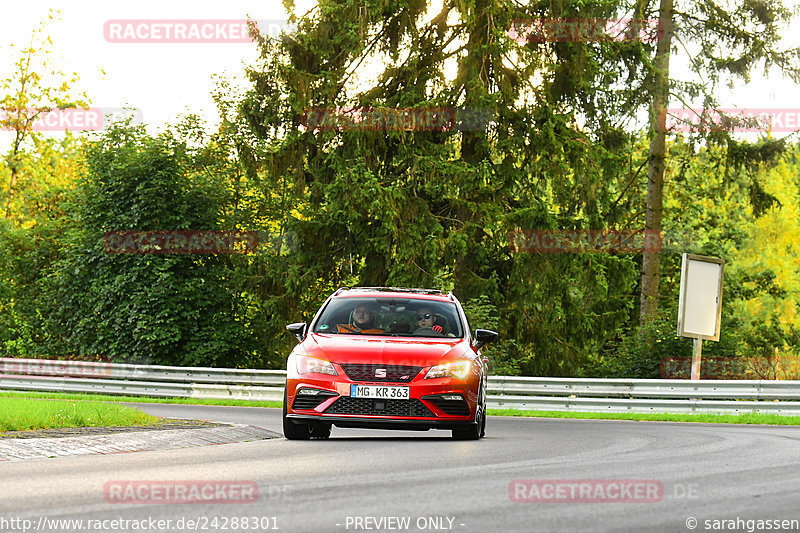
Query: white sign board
{"x": 700, "y": 303}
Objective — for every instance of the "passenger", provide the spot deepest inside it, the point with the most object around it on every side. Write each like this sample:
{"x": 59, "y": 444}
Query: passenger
{"x": 363, "y": 321}
{"x": 426, "y": 319}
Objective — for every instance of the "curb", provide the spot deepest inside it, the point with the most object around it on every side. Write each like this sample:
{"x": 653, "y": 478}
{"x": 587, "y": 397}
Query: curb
{"x": 135, "y": 441}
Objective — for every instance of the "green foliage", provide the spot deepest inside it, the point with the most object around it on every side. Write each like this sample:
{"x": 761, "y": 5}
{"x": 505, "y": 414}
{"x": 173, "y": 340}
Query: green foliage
{"x": 405, "y": 206}
{"x": 707, "y": 211}
{"x": 31, "y": 242}
{"x": 436, "y": 208}
{"x": 482, "y": 313}
{"x": 169, "y": 309}
{"x": 34, "y": 88}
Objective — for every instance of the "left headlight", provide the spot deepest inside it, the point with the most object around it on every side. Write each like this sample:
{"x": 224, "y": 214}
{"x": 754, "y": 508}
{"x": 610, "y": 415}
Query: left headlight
{"x": 450, "y": 370}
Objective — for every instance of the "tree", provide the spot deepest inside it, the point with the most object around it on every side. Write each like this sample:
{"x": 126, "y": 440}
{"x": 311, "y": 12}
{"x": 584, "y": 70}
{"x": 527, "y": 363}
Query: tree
{"x": 175, "y": 309}
{"x": 720, "y": 42}
{"x": 36, "y": 174}
{"x": 371, "y": 202}
{"x": 27, "y": 96}
{"x": 33, "y": 242}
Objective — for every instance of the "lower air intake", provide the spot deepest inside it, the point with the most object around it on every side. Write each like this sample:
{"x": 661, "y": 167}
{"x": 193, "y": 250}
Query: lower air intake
{"x": 347, "y": 405}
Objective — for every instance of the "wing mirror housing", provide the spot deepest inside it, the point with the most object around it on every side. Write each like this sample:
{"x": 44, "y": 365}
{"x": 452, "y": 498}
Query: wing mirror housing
{"x": 298, "y": 329}
{"x": 484, "y": 337}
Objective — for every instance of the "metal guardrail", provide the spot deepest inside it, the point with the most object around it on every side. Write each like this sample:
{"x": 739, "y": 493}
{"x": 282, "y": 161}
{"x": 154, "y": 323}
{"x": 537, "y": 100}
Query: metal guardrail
{"x": 645, "y": 395}
{"x": 140, "y": 380}
{"x": 518, "y": 393}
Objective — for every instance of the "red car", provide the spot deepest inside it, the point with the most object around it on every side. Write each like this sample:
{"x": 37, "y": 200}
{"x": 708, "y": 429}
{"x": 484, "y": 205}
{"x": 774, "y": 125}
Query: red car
{"x": 386, "y": 358}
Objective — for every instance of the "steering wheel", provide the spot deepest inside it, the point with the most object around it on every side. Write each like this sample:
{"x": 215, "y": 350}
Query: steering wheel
{"x": 427, "y": 332}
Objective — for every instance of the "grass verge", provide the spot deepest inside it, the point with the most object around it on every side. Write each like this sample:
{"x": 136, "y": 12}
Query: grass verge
{"x": 138, "y": 399}
{"x": 23, "y": 414}
{"x": 756, "y": 419}
{"x": 749, "y": 418}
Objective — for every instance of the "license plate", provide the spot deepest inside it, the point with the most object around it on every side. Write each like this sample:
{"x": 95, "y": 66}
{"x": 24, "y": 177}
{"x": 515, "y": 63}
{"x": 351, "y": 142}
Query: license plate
{"x": 378, "y": 391}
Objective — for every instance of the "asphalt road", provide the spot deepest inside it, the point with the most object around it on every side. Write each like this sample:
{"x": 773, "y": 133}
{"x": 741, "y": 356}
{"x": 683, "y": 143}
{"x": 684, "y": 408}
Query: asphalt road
{"x": 359, "y": 479}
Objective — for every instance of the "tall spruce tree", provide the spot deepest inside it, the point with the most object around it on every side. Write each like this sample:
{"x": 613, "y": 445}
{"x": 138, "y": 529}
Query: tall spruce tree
{"x": 415, "y": 206}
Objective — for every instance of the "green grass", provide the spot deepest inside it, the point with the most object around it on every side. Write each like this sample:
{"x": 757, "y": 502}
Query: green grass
{"x": 21, "y": 414}
{"x": 761, "y": 419}
{"x": 750, "y": 418}
{"x": 139, "y": 399}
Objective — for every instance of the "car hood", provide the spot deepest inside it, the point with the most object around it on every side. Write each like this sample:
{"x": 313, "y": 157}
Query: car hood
{"x": 385, "y": 350}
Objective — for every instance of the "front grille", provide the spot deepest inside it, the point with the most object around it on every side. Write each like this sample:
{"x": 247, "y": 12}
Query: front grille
{"x": 394, "y": 373}
{"x": 450, "y": 407}
{"x": 347, "y": 405}
{"x": 308, "y": 401}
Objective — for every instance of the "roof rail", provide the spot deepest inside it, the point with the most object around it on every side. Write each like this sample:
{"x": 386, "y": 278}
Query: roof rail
{"x": 392, "y": 289}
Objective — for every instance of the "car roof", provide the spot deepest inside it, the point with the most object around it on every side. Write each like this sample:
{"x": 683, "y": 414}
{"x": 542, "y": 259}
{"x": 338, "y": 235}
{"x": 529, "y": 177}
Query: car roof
{"x": 393, "y": 292}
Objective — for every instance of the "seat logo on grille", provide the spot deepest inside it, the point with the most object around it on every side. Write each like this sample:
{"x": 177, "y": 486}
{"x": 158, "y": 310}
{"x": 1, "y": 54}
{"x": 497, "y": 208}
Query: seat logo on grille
{"x": 380, "y": 372}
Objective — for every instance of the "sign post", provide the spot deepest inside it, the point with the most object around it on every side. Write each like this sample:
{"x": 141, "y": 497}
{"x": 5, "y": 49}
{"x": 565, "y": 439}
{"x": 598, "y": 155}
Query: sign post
{"x": 700, "y": 303}
{"x": 697, "y": 354}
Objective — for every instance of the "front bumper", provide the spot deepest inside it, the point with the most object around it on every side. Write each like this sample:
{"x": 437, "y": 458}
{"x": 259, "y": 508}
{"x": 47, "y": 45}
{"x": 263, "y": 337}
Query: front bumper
{"x": 381, "y": 423}
{"x": 427, "y": 406}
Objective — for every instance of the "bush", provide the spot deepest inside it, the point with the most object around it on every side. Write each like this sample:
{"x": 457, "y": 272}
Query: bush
{"x": 145, "y": 308}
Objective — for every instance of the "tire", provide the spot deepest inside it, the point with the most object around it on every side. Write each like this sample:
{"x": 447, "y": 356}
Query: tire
{"x": 483, "y": 419}
{"x": 477, "y": 429}
{"x": 294, "y": 431}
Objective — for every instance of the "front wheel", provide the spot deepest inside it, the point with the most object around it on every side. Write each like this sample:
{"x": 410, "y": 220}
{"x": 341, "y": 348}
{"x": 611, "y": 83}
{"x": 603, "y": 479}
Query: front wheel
{"x": 483, "y": 419}
{"x": 478, "y": 429}
{"x": 294, "y": 431}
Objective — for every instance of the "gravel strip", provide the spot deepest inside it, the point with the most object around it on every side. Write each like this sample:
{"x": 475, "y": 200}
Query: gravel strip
{"x": 168, "y": 423}
{"x": 133, "y": 439}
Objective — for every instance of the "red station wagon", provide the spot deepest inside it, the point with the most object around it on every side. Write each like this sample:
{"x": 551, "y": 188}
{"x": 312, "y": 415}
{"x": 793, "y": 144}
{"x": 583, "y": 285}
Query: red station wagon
{"x": 386, "y": 358}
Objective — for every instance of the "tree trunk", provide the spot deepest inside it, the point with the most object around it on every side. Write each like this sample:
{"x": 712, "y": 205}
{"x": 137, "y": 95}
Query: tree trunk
{"x": 656, "y": 165}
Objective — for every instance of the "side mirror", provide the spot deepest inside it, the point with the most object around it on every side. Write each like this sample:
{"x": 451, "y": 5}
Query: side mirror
{"x": 298, "y": 329}
{"x": 484, "y": 337}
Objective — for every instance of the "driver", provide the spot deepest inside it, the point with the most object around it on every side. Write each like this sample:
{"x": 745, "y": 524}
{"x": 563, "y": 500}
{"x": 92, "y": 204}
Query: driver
{"x": 426, "y": 319}
{"x": 363, "y": 321}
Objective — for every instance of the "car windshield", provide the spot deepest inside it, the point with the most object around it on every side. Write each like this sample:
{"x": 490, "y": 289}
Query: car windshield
{"x": 407, "y": 317}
